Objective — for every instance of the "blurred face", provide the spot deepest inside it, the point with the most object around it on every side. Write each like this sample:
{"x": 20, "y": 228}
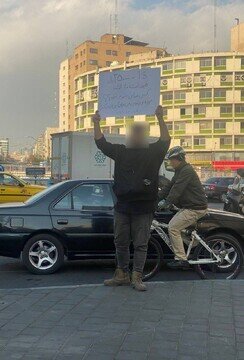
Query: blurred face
{"x": 137, "y": 135}
{"x": 174, "y": 162}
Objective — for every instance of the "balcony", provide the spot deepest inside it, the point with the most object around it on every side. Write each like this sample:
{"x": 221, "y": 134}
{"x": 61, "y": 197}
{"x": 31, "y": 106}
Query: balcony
{"x": 205, "y": 131}
{"x": 205, "y": 100}
{"x": 241, "y": 114}
{"x": 205, "y": 68}
{"x": 219, "y": 99}
{"x": 226, "y": 115}
{"x": 119, "y": 121}
{"x": 225, "y": 146}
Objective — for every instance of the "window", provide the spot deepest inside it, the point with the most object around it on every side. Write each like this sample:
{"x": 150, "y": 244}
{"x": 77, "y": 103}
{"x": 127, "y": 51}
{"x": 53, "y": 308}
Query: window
{"x": 242, "y": 94}
{"x": 239, "y": 109}
{"x": 8, "y": 180}
{"x": 198, "y": 141}
{"x": 93, "y": 50}
{"x": 180, "y": 64}
{"x": 226, "y": 140}
{"x": 199, "y": 110}
{"x": 167, "y": 96}
{"x": 93, "y": 62}
{"x": 205, "y": 62}
{"x": 186, "y": 142}
{"x": 239, "y": 140}
{"x": 242, "y": 62}
{"x": 108, "y": 52}
{"x": 167, "y": 66}
{"x": 220, "y": 61}
{"x": 226, "y": 109}
{"x": 185, "y": 111}
{"x": 180, "y": 126}
{"x": 205, "y": 94}
{"x": 242, "y": 126}
{"x": 205, "y": 125}
{"x": 76, "y": 56}
{"x": 87, "y": 197}
{"x": 219, "y": 125}
{"x": 63, "y": 67}
{"x": 180, "y": 95}
{"x": 219, "y": 93}
{"x": 170, "y": 126}
{"x": 114, "y": 53}
{"x": 128, "y": 53}
{"x": 76, "y": 67}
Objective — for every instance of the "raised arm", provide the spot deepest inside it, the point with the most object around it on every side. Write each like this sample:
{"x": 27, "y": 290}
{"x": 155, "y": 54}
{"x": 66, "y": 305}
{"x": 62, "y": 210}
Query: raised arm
{"x": 97, "y": 129}
{"x": 164, "y": 132}
{"x": 110, "y": 150}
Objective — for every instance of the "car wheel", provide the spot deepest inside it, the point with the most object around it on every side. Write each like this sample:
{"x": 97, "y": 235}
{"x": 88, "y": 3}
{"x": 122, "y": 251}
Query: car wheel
{"x": 223, "y": 197}
{"x": 43, "y": 254}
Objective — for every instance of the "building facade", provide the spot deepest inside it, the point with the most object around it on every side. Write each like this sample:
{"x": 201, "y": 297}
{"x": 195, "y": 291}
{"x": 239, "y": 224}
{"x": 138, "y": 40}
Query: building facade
{"x": 237, "y": 37}
{"x": 4, "y": 148}
{"x": 42, "y": 148}
{"x": 90, "y": 56}
{"x": 203, "y": 99}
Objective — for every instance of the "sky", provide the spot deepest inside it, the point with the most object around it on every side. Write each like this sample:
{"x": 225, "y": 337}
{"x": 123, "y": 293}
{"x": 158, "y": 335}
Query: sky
{"x": 34, "y": 35}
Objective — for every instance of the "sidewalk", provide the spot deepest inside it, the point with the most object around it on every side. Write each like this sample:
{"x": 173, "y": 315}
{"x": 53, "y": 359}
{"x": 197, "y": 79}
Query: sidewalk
{"x": 173, "y": 320}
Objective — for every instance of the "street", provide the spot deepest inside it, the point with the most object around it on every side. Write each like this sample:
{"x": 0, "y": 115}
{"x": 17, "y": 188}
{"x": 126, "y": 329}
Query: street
{"x": 14, "y": 275}
{"x": 69, "y": 315}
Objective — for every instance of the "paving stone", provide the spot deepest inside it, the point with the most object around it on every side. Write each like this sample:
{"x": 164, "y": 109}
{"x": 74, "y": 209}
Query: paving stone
{"x": 174, "y": 321}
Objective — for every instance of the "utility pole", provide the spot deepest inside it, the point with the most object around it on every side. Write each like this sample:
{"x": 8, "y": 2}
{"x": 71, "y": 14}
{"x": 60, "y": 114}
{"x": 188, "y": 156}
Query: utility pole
{"x": 116, "y": 17}
{"x": 215, "y": 26}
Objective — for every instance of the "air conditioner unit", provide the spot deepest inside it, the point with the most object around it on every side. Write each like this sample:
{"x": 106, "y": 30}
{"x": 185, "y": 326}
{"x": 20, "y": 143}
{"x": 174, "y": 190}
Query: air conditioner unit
{"x": 164, "y": 82}
{"x": 189, "y": 79}
{"x": 185, "y": 144}
{"x": 223, "y": 77}
{"x": 203, "y": 78}
{"x": 238, "y": 77}
{"x": 242, "y": 77}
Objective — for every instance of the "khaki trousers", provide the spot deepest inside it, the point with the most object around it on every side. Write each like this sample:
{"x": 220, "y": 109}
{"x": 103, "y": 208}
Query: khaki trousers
{"x": 182, "y": 219}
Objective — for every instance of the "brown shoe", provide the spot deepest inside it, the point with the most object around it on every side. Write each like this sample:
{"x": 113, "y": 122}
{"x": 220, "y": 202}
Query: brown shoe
{"x": 136, "y": 281}
{"x": 120, "y": 278}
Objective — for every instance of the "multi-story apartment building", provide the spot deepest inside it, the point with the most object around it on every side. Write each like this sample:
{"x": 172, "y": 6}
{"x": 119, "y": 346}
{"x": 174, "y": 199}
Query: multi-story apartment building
{"x": 42, "y": 147}
{"x": 203, "y": 98}
{"x": 90, "y": 56}
{"x": 4, "y": 148}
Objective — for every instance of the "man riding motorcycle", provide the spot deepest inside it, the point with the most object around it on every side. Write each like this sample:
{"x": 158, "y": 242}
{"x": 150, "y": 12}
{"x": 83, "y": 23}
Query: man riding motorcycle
{"x": 185, "y": 191}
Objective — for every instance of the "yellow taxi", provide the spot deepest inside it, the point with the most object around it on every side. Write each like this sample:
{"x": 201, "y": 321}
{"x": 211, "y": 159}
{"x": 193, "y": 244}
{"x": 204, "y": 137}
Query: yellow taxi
{"x": 14, "y": 189}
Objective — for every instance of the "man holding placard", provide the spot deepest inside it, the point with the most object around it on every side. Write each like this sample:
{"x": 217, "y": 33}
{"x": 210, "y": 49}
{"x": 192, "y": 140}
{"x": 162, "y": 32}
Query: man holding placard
{"x": 136, "y": 187}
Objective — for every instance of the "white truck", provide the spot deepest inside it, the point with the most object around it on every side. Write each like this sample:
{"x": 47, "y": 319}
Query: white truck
{"x": 75, "y": 156}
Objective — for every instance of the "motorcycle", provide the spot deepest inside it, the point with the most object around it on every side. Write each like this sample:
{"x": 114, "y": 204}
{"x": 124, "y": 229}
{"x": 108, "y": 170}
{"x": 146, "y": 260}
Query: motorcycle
{"x": 234, "y": 201}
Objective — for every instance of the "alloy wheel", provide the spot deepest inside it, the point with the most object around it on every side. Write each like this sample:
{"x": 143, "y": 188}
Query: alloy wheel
{"x": 43, "y": 254}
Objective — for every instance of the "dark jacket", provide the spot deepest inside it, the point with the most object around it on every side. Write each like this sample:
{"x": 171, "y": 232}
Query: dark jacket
{"x": 185, "y": 189}
{"x": 136, "y": 169}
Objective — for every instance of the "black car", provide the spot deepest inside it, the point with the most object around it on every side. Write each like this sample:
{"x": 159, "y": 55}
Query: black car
{"x": 74, "y": 219}
{"x": 217, "y": 187}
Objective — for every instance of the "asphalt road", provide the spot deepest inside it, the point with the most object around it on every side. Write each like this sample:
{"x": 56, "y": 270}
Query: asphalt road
{"x": 14, "y": 275}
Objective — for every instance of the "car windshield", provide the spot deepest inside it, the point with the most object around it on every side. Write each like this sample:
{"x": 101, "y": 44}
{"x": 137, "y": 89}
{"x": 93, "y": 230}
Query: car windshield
{"x": 41, "y": 194}
{"x": 213, "y": 180}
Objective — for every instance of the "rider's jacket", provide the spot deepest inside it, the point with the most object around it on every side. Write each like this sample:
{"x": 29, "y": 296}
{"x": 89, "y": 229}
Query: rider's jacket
{"x": 185, "y": 189}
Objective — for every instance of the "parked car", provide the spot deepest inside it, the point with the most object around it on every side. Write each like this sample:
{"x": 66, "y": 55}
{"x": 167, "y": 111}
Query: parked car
{"x": 74, "y": 219}
{"x": 14, "y": 189}
{"x": 217, "y": 187}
